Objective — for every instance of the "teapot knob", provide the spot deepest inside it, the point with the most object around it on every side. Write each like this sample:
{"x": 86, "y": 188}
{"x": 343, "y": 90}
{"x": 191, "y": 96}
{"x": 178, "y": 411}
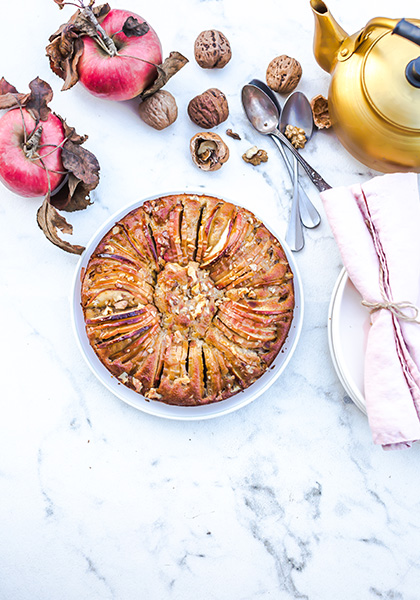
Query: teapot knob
{"x": 412, "y": 72}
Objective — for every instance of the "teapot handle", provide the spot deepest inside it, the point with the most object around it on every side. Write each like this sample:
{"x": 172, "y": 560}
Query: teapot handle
{"x": 401, "y": 27}
{"x": 408, "y": 30}
{"x": 351, "y": 44}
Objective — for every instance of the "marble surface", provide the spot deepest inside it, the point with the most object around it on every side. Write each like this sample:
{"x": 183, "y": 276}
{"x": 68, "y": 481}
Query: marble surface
{"x": 286, "y": 498}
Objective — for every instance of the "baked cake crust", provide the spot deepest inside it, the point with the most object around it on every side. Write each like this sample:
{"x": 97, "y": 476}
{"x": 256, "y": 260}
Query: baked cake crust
{"x": 188, "y": 299}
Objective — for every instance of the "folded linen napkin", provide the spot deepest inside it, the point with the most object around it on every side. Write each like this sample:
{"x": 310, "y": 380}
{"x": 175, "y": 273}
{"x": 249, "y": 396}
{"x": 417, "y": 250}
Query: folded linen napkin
{"x": 377, "y": 228}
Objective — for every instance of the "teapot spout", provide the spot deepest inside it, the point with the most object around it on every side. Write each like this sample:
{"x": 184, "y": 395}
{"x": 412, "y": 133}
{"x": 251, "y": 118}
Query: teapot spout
{"x": 328, "y": 36}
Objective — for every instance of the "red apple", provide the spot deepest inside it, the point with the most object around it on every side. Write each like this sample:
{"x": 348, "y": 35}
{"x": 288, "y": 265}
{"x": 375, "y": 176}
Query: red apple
{"x": 120, "y": 77}
{"x": 19, "y": 172}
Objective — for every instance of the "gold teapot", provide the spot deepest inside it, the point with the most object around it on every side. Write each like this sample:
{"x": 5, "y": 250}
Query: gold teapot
{"x": 374, "y": 95}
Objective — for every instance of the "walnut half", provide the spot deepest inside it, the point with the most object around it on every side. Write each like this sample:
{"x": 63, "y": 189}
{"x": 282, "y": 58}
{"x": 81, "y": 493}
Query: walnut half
{"x": 208, "y": 151}
{"x": 319, "y": 106}
{"x": 159, "y": 110}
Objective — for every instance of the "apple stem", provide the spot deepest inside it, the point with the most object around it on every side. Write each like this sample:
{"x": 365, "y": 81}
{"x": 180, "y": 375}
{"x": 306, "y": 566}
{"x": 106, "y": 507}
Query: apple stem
{"x": 103, "y": 38}
{"x": 48, "y": 176}
{"x": 31, "y": 145}
{"x": 138, "y": 58}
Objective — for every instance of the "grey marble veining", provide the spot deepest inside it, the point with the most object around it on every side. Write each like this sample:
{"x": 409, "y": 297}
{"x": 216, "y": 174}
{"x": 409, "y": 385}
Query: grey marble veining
{"x": 286, "y": 498}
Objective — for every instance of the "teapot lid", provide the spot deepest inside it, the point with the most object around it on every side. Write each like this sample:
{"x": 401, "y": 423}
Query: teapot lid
{"x": 385, "y": 83}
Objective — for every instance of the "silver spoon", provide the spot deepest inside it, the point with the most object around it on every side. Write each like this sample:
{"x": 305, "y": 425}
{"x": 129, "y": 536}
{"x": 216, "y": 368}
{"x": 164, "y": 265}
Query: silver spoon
{"x": 264, "y": 116}
{"x": 297, "y": 111}
{"x": 308, "y": 213}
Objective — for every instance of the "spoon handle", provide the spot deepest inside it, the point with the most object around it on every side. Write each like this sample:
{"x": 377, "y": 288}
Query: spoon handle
{"x": 294, "y": 234}
{"x": 308, "y": 213}
{"x": 315, "y": 177}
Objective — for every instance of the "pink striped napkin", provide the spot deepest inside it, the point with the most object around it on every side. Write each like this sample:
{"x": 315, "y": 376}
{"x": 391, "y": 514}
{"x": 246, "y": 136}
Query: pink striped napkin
{"x": 377, "y": 228}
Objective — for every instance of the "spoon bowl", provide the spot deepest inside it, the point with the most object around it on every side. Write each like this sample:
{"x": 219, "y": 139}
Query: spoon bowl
{"x": 261, "y": 111}
{"x": 297, "y": 111}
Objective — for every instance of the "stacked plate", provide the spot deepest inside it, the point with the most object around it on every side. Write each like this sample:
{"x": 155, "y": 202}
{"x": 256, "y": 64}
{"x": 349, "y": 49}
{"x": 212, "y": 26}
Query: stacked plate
{"x": 348, "y": 327}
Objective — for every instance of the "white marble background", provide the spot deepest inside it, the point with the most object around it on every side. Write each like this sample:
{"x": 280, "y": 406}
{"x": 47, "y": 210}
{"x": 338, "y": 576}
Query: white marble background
{"x": 286, "y": 498}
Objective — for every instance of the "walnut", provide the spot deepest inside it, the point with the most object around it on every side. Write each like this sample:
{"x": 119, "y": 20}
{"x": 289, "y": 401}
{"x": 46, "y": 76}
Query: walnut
{"x": 296, "y": 135}
{"x": 208, "y": 151}
{"x": 159, "y": 110}
{"x": 209, "y": 108}
{"x": 283, "y": 74}
{"x": 319, "y": 106}
{"x": 212, "y": 50}
{"x": 255, "y": 156}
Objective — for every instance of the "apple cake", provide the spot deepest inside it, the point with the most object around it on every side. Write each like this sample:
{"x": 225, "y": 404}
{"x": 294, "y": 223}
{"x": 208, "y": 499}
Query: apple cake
{"x": 188, "y": 299}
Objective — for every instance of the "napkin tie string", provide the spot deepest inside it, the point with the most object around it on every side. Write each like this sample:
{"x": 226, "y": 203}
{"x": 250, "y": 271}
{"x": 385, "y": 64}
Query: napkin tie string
{"x": 404, "y": 311}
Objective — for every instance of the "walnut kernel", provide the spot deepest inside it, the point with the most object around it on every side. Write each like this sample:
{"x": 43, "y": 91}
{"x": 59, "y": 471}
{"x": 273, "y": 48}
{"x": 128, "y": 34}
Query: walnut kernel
{"x": 209, "y": 109}
{"x": 319, "y": 106}
{"x": 255, "y": 156}
{"x": 283, "y": 74}
{"x": 212, "y": 49}
{"x": 296, "y": 135}
{"x": 208, "y": 151}
{"x": 159, "y": 110}
{"x": 232, "y": 134}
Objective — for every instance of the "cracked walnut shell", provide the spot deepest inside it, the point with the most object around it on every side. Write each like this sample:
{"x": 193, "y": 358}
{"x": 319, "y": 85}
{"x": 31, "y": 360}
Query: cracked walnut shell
{"x": 283, "y": 74}
{"x": 208, "y": 151}
{"x": 320, "y": 113}
{"x": 212, "y": 49}
{"x": 159, "y": 110}
{"x": 188, "y": 299}
{"x": 208, "y": 109}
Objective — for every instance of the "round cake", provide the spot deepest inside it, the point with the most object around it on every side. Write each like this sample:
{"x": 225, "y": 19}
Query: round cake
{"x": 188, "y": 299}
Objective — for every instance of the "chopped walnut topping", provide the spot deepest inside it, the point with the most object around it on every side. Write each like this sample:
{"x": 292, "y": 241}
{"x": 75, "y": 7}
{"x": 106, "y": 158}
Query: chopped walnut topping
{"x": 192, "y": 273}
{"x": 138, "y": 386}
{"x": 121, "y": 304}
{"x": 178, "y": 336}
{"x": 182, "y": 380}
{"x": 153, "y": 394}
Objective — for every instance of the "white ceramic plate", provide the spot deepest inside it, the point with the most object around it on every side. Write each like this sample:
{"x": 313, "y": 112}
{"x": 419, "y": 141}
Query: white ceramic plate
{"x": 187, "y": 413}
{"x": 348, "y": 326}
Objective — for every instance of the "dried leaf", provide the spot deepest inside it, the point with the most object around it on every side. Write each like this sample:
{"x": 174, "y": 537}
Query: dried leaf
{"x": 60, "y": 3}
{"x": 13, "y": 100}
{"x": 70, "y": 133}
{"x": 50, "y": 221}
{"x": 132, "y": 28}
{"x": 70, "y": 65}
{"x": 74, "y": 195}
{"x": 6, "y": 87}
{"x": 83, "y": 176}
{"x": 81, "y": 163}
{"x": 66, "y": 44}
{"x": 166, "y": 70}
{"x": 10, "y": 97}
{"x": 37, "y": 104}
{"x": 101, "y": 11}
